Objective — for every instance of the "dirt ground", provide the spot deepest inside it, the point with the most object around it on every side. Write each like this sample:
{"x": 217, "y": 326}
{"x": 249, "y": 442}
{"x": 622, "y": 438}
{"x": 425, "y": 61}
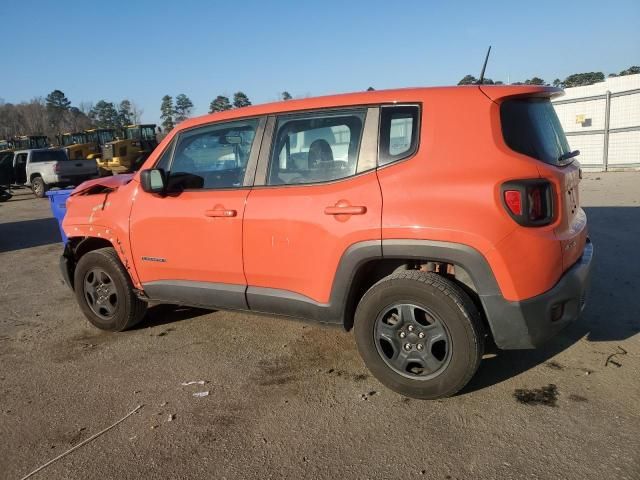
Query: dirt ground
{"x": 294, "y": 400}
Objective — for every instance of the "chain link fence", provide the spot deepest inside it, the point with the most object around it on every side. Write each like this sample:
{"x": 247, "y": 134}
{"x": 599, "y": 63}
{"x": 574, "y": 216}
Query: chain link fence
{"x": 605, "y": 128}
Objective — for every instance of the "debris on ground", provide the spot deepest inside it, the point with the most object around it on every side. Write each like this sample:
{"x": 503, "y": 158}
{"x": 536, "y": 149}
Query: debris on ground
{"x": 172, "y": 417}
{"x": 553, "y": 365}
{"x": 578, "y": 398}
{"x": 164, "y": 332}
{"x": 366, "y": 396}
{"x": 547, "y": 395}
{"x": 201, "y": 394}
{"x": 193, "y": 382}
{"x": 610, "y": 360}
{"x": 84, "y": 442}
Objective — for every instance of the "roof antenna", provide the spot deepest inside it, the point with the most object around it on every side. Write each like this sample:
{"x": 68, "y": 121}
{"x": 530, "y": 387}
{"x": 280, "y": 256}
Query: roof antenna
{"x": 486, "y": 59}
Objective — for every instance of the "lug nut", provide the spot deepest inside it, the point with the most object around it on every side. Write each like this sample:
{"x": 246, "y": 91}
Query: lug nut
{"x": 419, "y": 346}
{"x": 402, "y": 334}
{"x": 410, "y": 328}
{"x": 421, "y": 335}
{"x": 407, "y": 346}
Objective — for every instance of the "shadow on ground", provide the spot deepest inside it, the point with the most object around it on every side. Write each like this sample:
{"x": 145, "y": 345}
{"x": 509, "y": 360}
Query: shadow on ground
{"x": 163, "y": 314}
{"x": 28, "y": 234}
{"x": 613, "y": 305}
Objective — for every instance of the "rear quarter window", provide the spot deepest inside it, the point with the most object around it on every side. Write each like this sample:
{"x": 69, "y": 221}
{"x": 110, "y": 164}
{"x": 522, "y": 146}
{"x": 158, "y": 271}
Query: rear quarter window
{"x": 531, "y": 127}
{"x": 49, "y": 156}
{"x": 398, "y": 133}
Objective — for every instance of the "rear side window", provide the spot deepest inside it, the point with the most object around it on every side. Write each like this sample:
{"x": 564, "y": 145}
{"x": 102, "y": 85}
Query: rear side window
{"x": 398, "y": 133}
{"x": 531, "y": 127}
{"x": 49, "y": 156}
{"x": 316, "y": 147}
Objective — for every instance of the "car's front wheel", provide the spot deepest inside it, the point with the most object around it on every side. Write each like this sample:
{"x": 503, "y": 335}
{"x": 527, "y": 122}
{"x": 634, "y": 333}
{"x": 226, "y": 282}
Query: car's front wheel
{"x": 105, "y": 292}
{"x": 419, "y": 334}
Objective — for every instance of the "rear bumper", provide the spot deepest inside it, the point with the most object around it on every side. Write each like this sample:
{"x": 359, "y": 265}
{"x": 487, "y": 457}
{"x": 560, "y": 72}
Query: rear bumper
{"x": 529, "y": 323}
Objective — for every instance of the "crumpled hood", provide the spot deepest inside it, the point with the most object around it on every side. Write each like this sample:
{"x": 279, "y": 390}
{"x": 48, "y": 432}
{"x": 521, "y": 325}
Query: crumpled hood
{"x": 99, "y": 185}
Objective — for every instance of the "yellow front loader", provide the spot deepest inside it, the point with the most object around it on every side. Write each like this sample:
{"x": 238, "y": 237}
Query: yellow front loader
{"x": 129, "y": 153}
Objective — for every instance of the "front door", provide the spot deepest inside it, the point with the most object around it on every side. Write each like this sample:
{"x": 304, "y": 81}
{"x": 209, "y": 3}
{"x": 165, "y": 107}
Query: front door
{"x": 320, "y": 196}
{"x": 187, "y": 244}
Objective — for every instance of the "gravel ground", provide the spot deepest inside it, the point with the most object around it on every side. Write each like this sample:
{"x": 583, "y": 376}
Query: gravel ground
{"x": 292, "y": 400}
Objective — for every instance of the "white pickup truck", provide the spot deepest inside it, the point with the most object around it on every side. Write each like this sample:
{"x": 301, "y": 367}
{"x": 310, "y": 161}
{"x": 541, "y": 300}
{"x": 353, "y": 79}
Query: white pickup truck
{"x": 44, "y": 168}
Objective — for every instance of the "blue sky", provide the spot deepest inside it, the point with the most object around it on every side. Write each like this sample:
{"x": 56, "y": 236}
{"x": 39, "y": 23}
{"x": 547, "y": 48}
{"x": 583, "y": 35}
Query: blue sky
{"x": 142, "y": 50}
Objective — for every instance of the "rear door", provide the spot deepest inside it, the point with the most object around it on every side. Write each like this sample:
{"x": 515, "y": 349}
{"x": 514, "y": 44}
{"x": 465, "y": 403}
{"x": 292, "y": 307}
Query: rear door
{"x": 530, "y": 126}
{"x": 20, "y": 168}
{"x": 187, "y": 244}
{"x": 316, "y": 195}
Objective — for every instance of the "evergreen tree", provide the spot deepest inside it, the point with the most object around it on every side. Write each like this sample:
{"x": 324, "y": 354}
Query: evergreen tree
{"x": 219, "y": 104}
{"x": 183, "y": 108}
{"x": 166, "y": 113}
{"x": 370, "y": 89}
{"x": 57, "y": 100}
{"x": 582, "y": 79}
{"x": 468, "y": 80}
{"x": 105, "y": 115}
{"x": 240, "y": 100}
{"x": 125, "y": 114}
{"x": 57, "y": 104}
{"x": 286, "y": 96}
{"x": 534, "y": 81}
{"x": 630, "y": 71}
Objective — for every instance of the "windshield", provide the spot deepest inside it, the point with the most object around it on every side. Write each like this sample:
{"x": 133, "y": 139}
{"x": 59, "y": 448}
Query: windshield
{"x": 148, "y": 133}
{"x": 100, "y": 136}
{"x": 105, "y": 136}
{"x": 141, "y": 133}
{"x": 49, "y": 156}
{"x": 132, "y": 133}
{"x": 530, "y": 126}
{"x": 73, "y": 139}
{"x": 39, "y": 142}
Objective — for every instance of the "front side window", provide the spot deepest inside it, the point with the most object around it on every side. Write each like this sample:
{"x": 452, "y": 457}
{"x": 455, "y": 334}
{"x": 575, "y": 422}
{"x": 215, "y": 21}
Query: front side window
{"x": 212, "y": 157}
{"x": 316, "y": 147}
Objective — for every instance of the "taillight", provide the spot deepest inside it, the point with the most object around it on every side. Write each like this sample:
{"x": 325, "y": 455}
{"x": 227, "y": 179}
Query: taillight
{"x": 513, "y": 199}
{"x": 56, "y": 168}
{"x": 529, "y": 202}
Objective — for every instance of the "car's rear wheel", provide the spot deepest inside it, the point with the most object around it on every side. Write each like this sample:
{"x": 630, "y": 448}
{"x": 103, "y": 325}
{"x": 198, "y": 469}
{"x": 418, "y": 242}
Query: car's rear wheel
{"x": 39, "y": 187}
{"x": 419, "y": 334}
{"x": 105, "y": 292}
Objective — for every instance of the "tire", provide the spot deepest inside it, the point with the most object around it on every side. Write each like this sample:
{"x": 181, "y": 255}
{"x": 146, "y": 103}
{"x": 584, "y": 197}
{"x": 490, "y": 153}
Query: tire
{"x": 39, "y": 187}
{"x": 105, "y": 293}
{"x": 411, "y": 308}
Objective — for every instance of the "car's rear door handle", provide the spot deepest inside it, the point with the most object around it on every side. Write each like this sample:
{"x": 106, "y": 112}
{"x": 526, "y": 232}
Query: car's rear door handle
{"x": 339, "y": 209}
{"x": 220, "y": 212}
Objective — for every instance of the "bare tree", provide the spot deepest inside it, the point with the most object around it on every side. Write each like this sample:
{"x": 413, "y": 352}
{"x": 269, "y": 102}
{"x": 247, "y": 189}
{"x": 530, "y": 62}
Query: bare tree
{"x": 136, "y": 113}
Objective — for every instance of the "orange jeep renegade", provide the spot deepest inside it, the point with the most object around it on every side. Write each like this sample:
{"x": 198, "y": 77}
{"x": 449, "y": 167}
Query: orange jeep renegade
{"x": 425, "y": 219}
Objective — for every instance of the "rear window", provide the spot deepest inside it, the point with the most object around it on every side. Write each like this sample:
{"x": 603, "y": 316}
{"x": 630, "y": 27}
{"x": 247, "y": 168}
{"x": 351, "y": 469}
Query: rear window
{"x": 49, "y": 156}
{"x": 530, "y": 126}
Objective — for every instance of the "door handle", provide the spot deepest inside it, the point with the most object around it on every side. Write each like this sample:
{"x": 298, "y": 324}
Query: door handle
{"x": 345, "y": 210}
{"x": 220, "y": 212}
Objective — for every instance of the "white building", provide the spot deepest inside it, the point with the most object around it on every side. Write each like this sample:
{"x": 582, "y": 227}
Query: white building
{"x": 583, "y": 114}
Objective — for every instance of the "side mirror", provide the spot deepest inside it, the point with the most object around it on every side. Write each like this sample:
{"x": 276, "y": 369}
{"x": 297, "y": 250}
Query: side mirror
{"x": 153, "y": 180}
